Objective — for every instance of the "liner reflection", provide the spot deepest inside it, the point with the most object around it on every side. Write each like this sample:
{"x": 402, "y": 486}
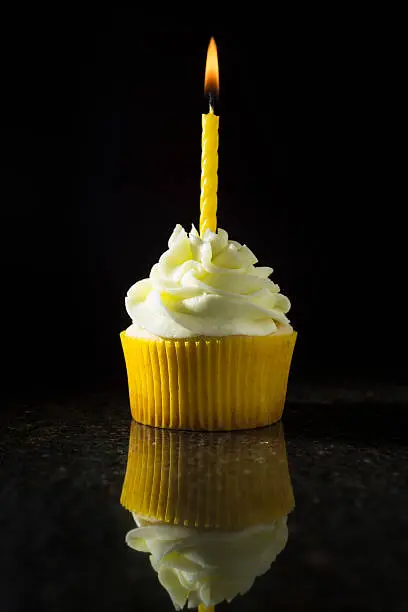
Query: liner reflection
{"x": 211, "y": 508}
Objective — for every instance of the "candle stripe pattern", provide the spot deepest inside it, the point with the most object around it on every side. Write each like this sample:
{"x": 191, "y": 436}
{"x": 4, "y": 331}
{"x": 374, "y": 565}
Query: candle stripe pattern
{"x": 215, "y": 481}
{"x": 209, "y": 173}
{"x": 208, "y": 383}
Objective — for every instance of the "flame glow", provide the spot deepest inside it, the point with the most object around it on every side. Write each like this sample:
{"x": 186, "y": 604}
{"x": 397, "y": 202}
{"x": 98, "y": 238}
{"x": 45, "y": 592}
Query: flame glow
{"x": 212, "y": 79}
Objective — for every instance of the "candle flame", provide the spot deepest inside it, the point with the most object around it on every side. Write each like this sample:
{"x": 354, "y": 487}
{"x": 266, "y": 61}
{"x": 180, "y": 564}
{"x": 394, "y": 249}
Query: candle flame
{"x": 212, "y": 79}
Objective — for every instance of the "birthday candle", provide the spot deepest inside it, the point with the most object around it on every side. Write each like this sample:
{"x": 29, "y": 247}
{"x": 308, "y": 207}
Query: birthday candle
{"x": 209, "y": 156}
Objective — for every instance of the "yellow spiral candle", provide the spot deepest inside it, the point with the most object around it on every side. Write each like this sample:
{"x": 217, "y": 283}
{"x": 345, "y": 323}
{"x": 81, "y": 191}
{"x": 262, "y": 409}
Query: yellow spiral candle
{"x": 209, "y": 156}
{"x": 209, "y": 173}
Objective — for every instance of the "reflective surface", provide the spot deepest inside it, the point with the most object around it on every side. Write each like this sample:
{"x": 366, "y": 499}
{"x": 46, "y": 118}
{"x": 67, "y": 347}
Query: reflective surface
{"x": 210, "y": 508}
{"x": 216, "y": 510}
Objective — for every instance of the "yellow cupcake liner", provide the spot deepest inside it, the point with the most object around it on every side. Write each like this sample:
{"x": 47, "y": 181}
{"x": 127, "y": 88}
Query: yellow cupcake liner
{"x": 214, "y": 480}
{"x": 233, "y": 382}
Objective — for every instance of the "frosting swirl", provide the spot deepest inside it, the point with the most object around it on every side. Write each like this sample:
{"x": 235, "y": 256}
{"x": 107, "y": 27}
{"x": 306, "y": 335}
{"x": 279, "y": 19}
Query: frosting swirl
{"x": 206, "y": 286}
{"x": 198, "y": 566}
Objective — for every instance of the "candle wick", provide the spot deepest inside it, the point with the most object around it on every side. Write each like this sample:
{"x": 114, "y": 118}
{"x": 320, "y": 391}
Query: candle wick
{"x": 211, "y": 102}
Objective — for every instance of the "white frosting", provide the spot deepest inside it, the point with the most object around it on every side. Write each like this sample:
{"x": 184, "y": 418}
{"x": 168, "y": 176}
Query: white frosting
{"x": 135, "y": 331}
{"x": 206, "y": 286}
{"x": 202, "y": 566}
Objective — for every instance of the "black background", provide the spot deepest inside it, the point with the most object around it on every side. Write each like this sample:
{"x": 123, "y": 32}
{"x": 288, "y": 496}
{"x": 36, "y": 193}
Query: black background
{"x": 102, "y": 138}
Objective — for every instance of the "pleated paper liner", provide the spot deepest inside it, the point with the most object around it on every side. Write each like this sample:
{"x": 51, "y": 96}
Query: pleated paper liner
{"x": 234, "y": 382}
{"x": 209, "y": 480}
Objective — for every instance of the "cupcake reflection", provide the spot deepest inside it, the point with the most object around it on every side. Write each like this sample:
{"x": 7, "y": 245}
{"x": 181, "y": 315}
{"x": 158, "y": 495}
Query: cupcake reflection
{"x": 211, "y": 509}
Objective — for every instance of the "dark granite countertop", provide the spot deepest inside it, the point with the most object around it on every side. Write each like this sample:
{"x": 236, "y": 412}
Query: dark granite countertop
{"x": 63, "y": 527}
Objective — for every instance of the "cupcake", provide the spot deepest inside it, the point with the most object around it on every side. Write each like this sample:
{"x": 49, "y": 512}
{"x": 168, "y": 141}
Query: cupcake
{"x": 210, "y": 509}
{"x": 210, "y": 345}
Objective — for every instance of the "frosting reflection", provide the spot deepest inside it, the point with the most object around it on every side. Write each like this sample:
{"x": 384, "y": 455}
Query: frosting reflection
{"x": 210, "y": 508}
